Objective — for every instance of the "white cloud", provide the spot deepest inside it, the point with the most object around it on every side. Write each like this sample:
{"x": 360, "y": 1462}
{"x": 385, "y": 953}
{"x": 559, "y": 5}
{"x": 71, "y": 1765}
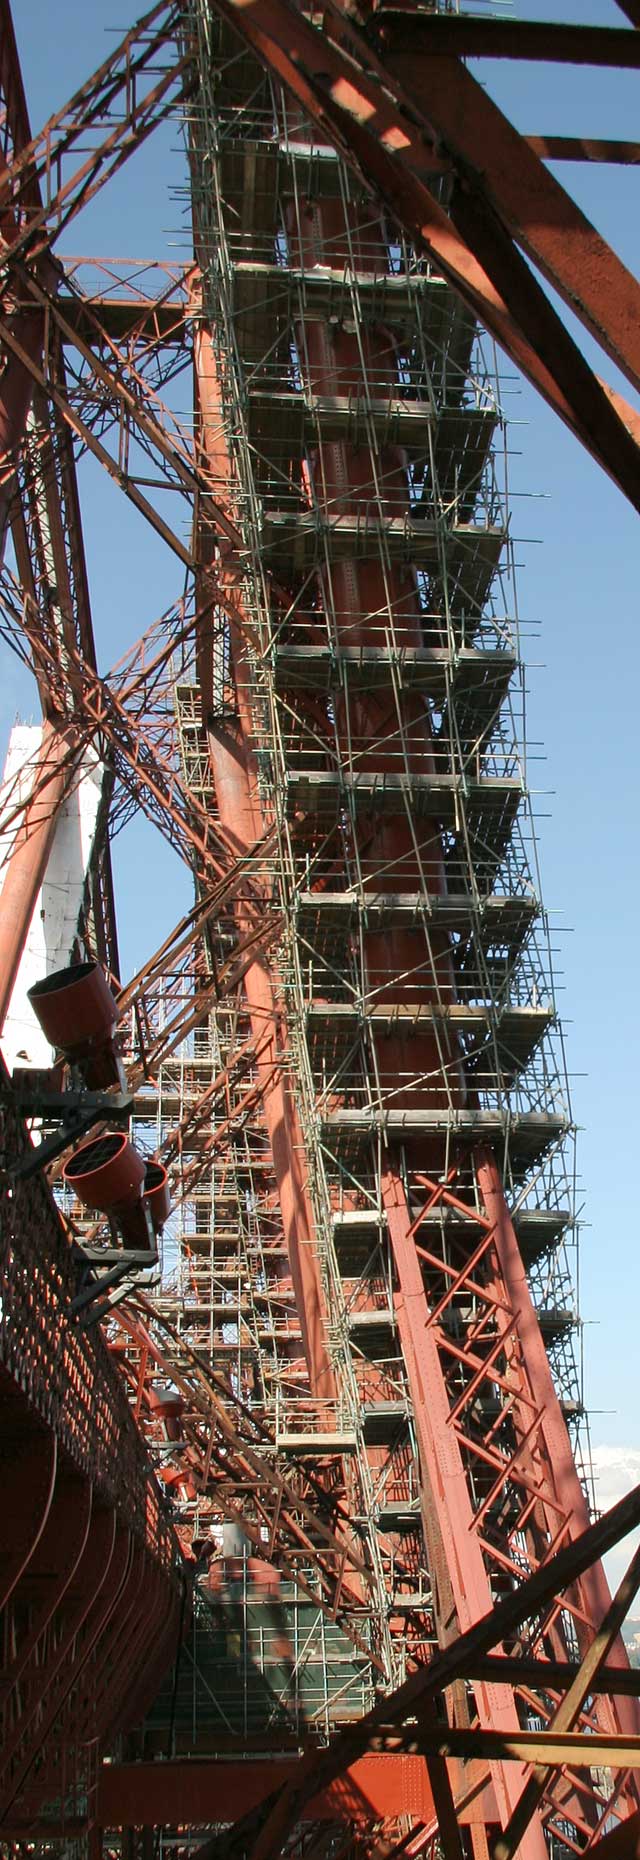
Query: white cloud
{"x": 617, "y": 1470}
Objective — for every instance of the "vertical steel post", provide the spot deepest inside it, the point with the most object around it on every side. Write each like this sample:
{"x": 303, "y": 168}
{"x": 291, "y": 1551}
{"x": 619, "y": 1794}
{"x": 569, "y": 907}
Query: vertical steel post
{"x": 29, "y": 855}
{"x": 562, "y": 1473}
{"x": 239, "y": 810}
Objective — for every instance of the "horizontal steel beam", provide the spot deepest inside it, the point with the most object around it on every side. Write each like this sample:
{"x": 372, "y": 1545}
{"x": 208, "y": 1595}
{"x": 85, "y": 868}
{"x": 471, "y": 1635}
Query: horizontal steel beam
{"x": 320, "y": 1768}
{"x": 153, "y": 321}
{"x": 538, "y": 40}
{"x": 385, "y": 131}
{"x": 577, "y": 1749}
{"x": 553, "y": 1675}
{"x": 503, "y": 193}
{"x": 378, "y": 1787}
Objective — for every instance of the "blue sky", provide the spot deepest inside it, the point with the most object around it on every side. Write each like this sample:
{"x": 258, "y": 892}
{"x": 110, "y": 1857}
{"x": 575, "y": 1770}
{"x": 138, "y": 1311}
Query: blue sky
{"x": 578, "y": 584}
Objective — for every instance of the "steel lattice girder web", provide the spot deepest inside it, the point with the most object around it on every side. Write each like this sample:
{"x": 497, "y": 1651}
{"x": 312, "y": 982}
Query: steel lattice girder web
{"x": 339, "y": 776}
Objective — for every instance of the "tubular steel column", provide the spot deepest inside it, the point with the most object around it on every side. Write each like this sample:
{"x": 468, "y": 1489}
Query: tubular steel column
{"x": 560, "y": 1471}
{"x": 16, "y": 394}
{"x": 387, "y": 733}
{"x": 27, "y": 861}
{"x": 353, "y": 440}
{"x": 238, "y": 801}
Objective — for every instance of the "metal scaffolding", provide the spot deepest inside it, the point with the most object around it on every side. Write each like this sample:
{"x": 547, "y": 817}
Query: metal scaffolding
{"x": 355, "y": 1366}
{"x": 349, "y": 414}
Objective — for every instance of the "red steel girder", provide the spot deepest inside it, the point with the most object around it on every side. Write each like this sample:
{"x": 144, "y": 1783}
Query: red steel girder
{"x": 114, "y": 87}
{"x": 524, "y": 1466}
{"x": 352, "y": 95}
{"x": 240, "y": 812}
{"x": 16, "y": 387}
{"x": 31, "y": 1482}
{"x": 493, "y": 260}
{"x": 446, "y": 1495}
{"x": 235, "y": 1466}
{"x": 59, "y": 1597}
{"x": 376, "y": 1788}
{"x": 56, "y": 484}
{"x": 72, "y": 1384}
{"x": 554, "y": 1444}
{"x": 563, "y": 1568}
{"x": 556, "y": 1674}
{"x": 53, "y": 775}
{"x": 547, "y": 41}
{"x": 100, "y": 1590}
{"x": 166, "y": 971}
{"x": 24, "y": 211}
{"x": 16, "y": 130}
{"x": 622, "y": 1843}
{"x": 508, "y": 1843}
{"x": 51, "y": 1569}
{"x": 142, "y": 306}
{"x": 122, "y": 385}
{"x": 584, "y": 148}
{"x": 494, "y": 165}
{"x": 442, "y": 1467}
{"x": 79, "y": 427}
{"x": 187, "y": 1149}
{"x": 44, "y": 511}
{"x": 530, "y": 329}
{"x": 93, "y": 707}
{"x": 632, "y": 10}
{"x": 47, "y": 495}
{"x": 530, "y": 1457}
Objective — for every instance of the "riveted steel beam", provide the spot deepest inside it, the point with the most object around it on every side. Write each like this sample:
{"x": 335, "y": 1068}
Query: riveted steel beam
{"x": 546, "y": 42}
{"x": 352, "y": 95}
{"x": 563, "y": 1568}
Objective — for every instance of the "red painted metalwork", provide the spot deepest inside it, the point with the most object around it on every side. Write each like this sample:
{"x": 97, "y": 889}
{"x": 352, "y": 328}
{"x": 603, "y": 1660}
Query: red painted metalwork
{"x": 28, "y": 1508}
{"x": 109, "y": 1174}
{"x": 560, "y": 1465}
{"x": 318, "y": 767}
{"x": 320, "y": 1769}
{"x": 78, "y": 1014}
{"x": 234, "y": 1464}
{"x": 377, "y": 1788}
{"x": 15, "y": 401}
{"x": 79, "y": 1493}
{"x": 26, "y": 865}
{"x": 446, "y": 1496}
{"x": 535, "y": 208}
{"x": 549, "y": 41}
{"x": 622, "y": 1843}
{"x": 350, "y": 96}
{"x": 114, "y": 89}
{"x": 44, "y": 506}
{"x": 156, "y": 1194}
{"x": 17, "y": 383}
{"x": 237, "y": 796}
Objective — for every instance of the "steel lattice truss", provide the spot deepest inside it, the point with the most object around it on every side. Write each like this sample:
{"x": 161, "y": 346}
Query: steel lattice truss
{"x": 356, "y": 1379}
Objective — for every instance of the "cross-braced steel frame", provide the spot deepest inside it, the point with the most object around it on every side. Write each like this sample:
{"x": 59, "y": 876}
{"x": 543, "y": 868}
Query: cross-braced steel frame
{"x": 356, "y": 1379}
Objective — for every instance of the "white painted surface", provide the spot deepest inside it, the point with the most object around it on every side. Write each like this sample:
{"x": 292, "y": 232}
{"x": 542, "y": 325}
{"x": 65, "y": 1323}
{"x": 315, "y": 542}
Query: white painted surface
{"x": 55, "y": 919}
